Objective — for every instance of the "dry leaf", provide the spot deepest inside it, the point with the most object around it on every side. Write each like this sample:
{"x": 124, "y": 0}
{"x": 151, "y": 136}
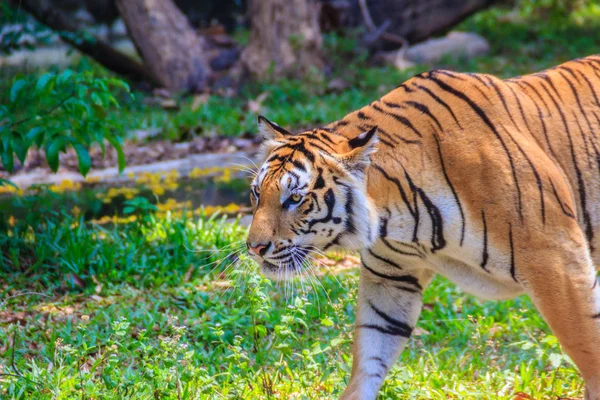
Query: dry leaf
{"x": 420, "y": 332}
{"x": 77, "y": 280}
{"x": 169, "y": 104}
{"x": 521, "y": 396}
{"x": 256, "y": 105}
{"x": 199, "y": 100}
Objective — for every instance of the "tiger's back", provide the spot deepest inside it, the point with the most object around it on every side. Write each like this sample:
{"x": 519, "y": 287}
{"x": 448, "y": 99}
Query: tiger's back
{"x": 519, "y": 151}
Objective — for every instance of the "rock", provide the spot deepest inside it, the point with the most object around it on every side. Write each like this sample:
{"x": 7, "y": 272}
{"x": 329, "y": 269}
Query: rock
{"x": 242, "y": 143}
{"x": 457, "y": 44}
{"x": 143, "y": 134}
{"x": 225, "y": 59}
{"x": 337, "y": 85}
{"x": 184, "y": 146}
{"x": 169, "y": 104}
{"x": 162, "y": 92}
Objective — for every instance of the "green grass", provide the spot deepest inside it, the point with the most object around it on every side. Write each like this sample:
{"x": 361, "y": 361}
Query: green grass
{"x": 145, "y": 310}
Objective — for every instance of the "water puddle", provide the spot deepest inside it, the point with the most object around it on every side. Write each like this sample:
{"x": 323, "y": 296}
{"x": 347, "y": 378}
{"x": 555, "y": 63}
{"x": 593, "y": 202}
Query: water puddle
{"x": 202, "y": 192}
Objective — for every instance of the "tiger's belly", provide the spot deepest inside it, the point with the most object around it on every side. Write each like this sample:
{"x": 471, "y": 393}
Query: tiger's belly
{"x": 474, "y": 280}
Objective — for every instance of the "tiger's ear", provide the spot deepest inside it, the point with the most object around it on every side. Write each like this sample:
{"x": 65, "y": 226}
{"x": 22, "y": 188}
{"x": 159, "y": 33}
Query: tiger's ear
{"x": 362, "y": 146}
{"x": 270, "y": 130}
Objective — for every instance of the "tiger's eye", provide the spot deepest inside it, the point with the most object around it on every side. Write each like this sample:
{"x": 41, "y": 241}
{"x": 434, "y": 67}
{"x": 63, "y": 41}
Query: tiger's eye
{"x": 296, "y": 197}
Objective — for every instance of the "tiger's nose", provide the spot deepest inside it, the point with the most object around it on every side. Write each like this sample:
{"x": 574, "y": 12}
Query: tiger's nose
{"x": 258, "y": 249}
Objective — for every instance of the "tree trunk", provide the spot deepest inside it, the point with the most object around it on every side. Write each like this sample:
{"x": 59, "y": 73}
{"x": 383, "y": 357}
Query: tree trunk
{"x": 285, "y": 39}
{"x": 172, "y": 51}
{"x": 102, "y": 52}
{"x": 414, "y": 21}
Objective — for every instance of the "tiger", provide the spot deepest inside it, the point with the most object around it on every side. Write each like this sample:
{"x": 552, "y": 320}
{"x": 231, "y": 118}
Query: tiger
{"x": 492, "y": 183}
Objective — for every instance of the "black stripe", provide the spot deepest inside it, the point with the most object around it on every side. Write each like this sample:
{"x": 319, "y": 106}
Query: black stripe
{"x": 396, "y": 278}
{"x": 437, "y": 222}
{"x": 394, "y": 323}
{"x": 299, "y": 165}
{"x": 520, "y": 105}
{"x": 538, "y": 179}
{"x": 540, "y": 114}
{"x": 425, "y": 110}
{"x": 512, "y": 253}
{"x": 486, "y": 84}
{"x": 568, "y": 212}
{"x": 329, "y": 199}
{"x": 403, "y": 120}
{"x": 391, "y": 332}
{"x": 397, "y": 183}
{"x": 547, "y": 79}
{"x": 569, "y": 70}
{"x": 439, "y": 101}
{"x": 503, "y": 100}
{"x": 383, "y": 234}
{"x": 380, "y": 361}
{"x": 327, "y": 138}
{"x": 407, "y": 289}
{"x": 383, "y": 259}
{"x": 402, "y": 252}
{"x": 596, "y": 316}
{"x": 580, "y": 182}
{"x": 362, "y": 115}
{"x": 444, "y": 86}
{"x": 389, "y": 140}
{"x": 485, "y": 255}
{"x": 462, "y": 214}
{"x": 349, "y": 223}
{"x": 391, "y": 104}
{"x": 451, "y": 74}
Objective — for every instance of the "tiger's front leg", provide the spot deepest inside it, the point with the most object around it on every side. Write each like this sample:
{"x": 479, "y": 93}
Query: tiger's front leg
{"x": 388, "y": 308}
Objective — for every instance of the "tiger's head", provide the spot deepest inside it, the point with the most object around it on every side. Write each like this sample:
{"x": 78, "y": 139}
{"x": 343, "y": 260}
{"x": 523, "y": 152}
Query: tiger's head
{"x": 309, "y": 195}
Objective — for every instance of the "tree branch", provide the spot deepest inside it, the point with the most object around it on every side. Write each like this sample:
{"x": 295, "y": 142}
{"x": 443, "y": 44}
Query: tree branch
{"x": 97, "y": 49}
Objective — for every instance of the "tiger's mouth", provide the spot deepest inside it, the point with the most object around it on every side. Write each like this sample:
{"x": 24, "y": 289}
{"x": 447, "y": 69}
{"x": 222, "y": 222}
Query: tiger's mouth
{"x": 292, "y": 266}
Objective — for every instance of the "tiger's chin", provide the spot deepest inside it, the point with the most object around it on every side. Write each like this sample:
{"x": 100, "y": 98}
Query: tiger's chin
{"x": 279, "y": 272}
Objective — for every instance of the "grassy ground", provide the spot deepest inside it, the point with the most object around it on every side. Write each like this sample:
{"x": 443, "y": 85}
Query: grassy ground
{"x": 145, "y": 310}
{"x": 135, "y": 312}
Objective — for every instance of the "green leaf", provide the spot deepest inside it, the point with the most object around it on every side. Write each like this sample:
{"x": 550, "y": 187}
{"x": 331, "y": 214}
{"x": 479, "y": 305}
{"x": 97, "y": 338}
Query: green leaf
{"x": 96, "y": 99}
{"x": 64, "y": 76}
{"x": 5, "y": 182}
{"x": 7, "y": 157}
{"x": 44, "y": 81}
{"x": 6, "y": 136}
{"x": 34, "y": 134}
{"x": 81, "y": 91}
{"x": 116, "y": 142}
{"x": 16, "y": 89}
{"x": 52, "y": 149}
{"x": 3, "y": 111}
{"x": 555, "y": 360}
{"x": 85, "y": 161}
{"x": 21, "y": 148}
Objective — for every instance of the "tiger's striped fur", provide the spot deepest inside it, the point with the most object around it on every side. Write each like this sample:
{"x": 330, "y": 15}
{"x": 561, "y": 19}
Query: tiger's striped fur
{"x": 492, "y": 183}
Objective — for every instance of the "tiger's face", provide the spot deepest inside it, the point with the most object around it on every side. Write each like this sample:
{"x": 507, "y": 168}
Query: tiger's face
{"x": 308, "y": 196}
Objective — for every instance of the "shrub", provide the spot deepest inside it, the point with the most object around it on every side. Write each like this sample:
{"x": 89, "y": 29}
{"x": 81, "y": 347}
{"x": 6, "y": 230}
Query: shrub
{"x": 57, "y": 111}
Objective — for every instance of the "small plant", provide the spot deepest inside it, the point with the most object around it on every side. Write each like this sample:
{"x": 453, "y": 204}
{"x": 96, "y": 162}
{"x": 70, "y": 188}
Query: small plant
{"x": 57, "y": 111}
